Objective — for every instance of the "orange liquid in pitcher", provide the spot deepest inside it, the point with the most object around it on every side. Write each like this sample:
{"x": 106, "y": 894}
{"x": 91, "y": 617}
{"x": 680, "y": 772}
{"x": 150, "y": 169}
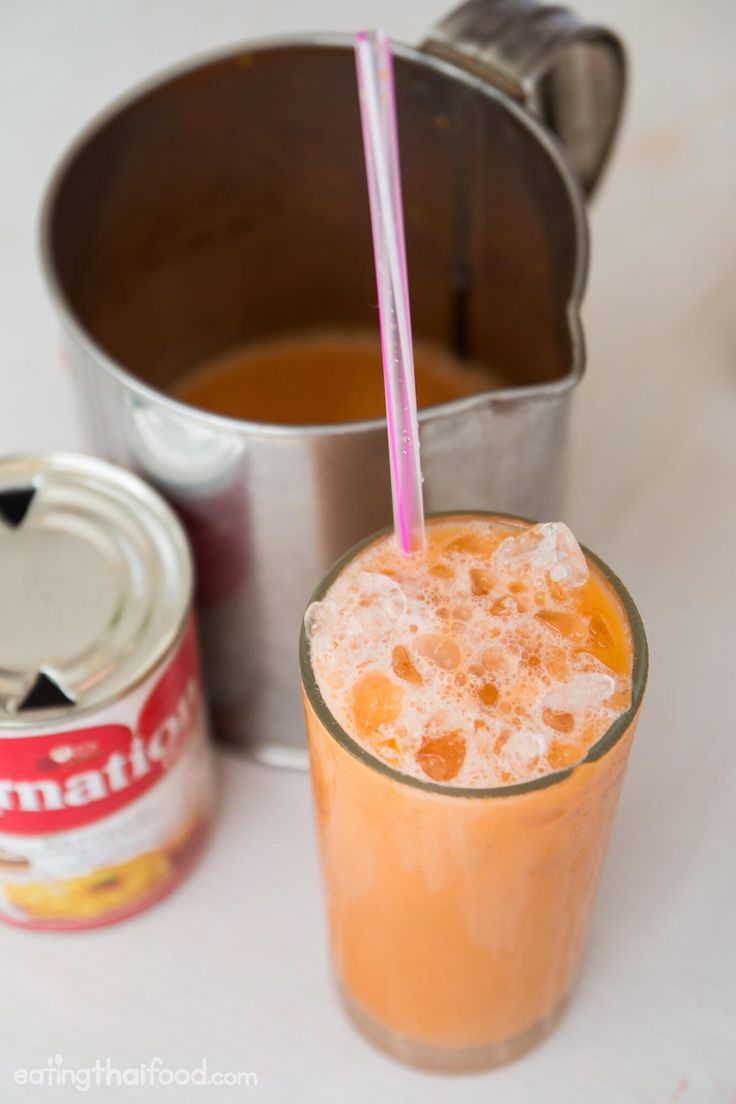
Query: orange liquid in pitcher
{"x": 320, "y": 378}
{"x": 498, "y": 656}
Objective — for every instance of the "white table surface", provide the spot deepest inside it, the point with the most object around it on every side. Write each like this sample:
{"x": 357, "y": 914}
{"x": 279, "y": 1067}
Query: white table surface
{"x": 234, "y": 966}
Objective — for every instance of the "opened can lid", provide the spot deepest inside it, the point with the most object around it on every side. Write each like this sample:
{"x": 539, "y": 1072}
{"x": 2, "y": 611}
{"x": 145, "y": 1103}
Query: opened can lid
{"x": 95, "y": 585}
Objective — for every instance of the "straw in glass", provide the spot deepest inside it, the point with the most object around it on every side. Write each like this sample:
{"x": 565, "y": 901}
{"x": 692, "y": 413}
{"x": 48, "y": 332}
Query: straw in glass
{"x": 380, "y": 142}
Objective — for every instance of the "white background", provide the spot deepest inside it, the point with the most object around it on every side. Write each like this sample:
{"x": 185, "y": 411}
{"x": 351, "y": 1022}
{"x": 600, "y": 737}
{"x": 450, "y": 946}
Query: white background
{"x": 234, "y": 965}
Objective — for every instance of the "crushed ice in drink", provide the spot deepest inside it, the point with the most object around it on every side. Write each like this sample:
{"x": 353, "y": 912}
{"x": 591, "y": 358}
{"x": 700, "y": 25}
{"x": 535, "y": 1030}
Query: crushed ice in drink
{"x": 522, "y": 751}
{"x": 321, "y": 617}
{"x": 381, "y": 607}
{"x": 491, "y": 657}
{"x": 439, "y": 649}
{"x": 581, "y": 694}
{"x": 441, "y": 757}
{"x": 403, "y": 667}
{"x": 376, "y": 701}
{"x": 559, "y": 719}
{"x": 548, "y": 549}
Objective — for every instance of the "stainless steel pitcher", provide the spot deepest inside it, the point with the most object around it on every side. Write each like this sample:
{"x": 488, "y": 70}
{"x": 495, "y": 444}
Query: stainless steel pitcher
{"x": 226, "y": 202}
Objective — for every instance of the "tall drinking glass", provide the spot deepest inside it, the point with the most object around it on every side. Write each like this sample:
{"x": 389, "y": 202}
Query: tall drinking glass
{"x": 458, "y": 915}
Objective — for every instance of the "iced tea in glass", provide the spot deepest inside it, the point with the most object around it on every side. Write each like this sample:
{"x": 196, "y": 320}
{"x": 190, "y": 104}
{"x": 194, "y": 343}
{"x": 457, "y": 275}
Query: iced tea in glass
{"x": 470, "y": 710}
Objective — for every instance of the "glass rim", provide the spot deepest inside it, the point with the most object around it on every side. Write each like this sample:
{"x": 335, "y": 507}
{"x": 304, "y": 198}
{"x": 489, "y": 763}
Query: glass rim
{"x": 640, "y": 668}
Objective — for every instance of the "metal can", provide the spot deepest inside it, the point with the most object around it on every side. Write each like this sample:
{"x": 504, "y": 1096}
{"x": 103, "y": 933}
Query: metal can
{"x": 105, "y": 761}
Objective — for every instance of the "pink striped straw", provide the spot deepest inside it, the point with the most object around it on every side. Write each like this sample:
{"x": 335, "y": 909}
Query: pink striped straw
{"x": 374, "y": 66}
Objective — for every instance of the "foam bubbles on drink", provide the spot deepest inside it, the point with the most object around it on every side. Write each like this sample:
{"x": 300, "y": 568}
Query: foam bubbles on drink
{"x": 490, "y": 658}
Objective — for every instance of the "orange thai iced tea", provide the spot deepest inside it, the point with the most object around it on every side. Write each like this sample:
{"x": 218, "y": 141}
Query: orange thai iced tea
{"x": 470, "y": 710}
{"x": 320, "y": 378}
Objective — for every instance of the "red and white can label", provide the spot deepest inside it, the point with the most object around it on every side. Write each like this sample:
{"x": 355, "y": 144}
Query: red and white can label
{"x": 97, "y": 819}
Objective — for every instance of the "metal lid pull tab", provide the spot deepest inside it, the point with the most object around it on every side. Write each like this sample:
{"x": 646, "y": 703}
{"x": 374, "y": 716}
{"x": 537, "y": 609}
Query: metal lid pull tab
{"x": 570, "y": 74}
{"x": 15, "y": 504}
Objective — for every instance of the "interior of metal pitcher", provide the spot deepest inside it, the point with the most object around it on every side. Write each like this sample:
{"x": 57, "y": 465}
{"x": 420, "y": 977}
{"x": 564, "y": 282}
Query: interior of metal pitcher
{"x": 227, "y": 204}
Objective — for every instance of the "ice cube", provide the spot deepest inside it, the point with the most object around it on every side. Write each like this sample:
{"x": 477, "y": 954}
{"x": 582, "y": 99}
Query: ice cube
{"x": 320, "y": 619}
{"x": 440, "y": 649}
{"x": 522, "y": 751}
{"x": 481, "y": 582}
{"x": 403, "y": 667}
{"x": 580, "y": 694}
{"x": 560, "y": 722}
{"x": 353, "y": 627}
{"x": 382, "y": 605}
{"x": 546, "y": 549}
{"x": 377, "y": 700}
{"x": 441, "y": 757}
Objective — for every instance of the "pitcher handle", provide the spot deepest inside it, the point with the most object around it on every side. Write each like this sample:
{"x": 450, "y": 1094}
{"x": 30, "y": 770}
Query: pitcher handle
{"x": 570, "y": 74}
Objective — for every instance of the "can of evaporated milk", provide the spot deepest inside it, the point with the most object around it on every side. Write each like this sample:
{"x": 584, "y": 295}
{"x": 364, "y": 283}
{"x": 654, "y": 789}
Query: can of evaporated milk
{"x": 105, "y": 763}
